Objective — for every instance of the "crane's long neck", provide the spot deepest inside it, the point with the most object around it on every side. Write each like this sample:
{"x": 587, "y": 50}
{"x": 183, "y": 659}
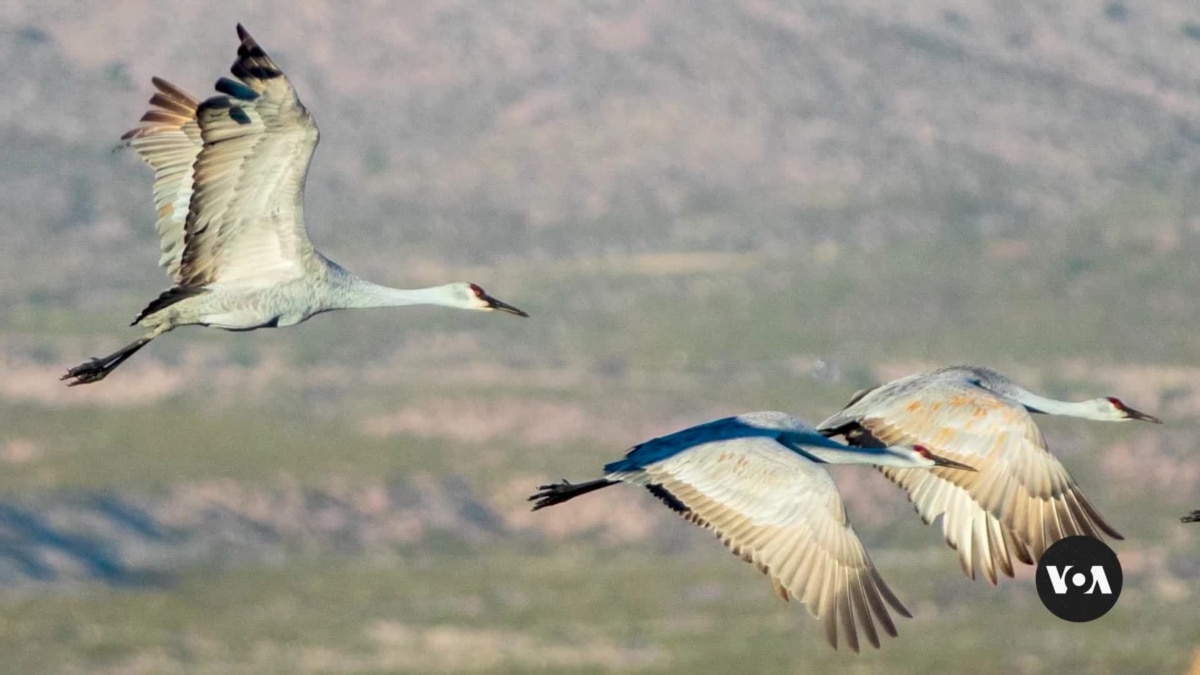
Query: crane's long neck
{"x": 360, "y": 293}
{"x": 1084, "y": 409}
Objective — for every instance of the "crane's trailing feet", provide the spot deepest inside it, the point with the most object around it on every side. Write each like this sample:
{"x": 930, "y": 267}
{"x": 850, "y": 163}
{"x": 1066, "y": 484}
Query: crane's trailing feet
{"x": 565, "y": 490}
{"x": 99, "y": 368}
{"x": 229, "y": 178}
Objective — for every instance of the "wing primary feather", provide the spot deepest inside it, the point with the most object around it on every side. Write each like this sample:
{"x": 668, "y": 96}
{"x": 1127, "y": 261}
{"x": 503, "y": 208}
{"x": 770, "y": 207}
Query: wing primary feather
{"x": 1095, "y": 516}
{"x": 239, "y": 115}
{"x": 858, "y": 597}
{"x": 877, "y": 606}
{"x": 236, "y": 89}
{"x": 888, "y": 596}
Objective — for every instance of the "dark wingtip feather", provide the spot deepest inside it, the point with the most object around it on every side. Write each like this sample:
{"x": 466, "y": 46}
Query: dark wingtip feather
{"x": 216, "y": 103}
{"x": 858, "y": 600}
{"x": 878, "y": 608}
{"x": 253, "y": 63}
{"x": 238, "y": 115}
{"x": 846, "y": 617}
{"x": 889, "y": 597}
{"x": 669, "y": 499}
{"x": 235, "y": 112}
{"x": 235, "y": 89}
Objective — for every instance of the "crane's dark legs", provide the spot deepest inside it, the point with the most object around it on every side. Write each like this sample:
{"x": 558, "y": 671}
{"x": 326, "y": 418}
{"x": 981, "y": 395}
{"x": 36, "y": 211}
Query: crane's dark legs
{"x": 1193, "y": 517}
{"x": 557, "y": 493}
{"x": 97, "y": 369}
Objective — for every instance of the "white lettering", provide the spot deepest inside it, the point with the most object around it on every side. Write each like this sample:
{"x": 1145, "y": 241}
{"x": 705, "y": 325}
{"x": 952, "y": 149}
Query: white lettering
{"x": 1100, "y": 579}
{"x": 1058, "y": 580}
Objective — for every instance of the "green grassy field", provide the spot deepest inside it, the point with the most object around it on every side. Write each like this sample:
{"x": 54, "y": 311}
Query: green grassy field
{"x": 575, "y": 608}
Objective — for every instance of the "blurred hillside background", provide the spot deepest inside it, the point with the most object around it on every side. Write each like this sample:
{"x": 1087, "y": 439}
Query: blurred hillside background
{"x": 708, "y": 208}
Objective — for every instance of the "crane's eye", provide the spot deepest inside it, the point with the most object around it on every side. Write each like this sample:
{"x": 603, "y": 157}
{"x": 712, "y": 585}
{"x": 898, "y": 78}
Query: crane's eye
{"x": 1116, "y": 402}
{"x": 477, "y": 291}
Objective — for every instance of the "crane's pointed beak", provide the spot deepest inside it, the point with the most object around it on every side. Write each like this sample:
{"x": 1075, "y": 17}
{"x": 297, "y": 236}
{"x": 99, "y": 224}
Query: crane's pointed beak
{"x": 493, "y": 303}
{"x": 938, "y": 460}
{"x": 1139, "y": 415}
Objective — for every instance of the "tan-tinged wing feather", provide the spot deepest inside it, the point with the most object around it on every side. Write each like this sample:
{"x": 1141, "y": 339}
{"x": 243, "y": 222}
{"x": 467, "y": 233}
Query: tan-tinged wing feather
{"x": 1020, "y": 500}
{"x": 245, "y": 221}
{"x": 782, "y": 513}
{"x": 168, "y": 139}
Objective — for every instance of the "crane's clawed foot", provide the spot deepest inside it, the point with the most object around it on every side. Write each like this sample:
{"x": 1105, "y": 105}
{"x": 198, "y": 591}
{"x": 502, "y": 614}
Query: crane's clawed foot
{"x": 1193, "y": 517}
{"x": 549, "y": 495}
{"x": 88, "y": 372}
{"x": 98, "y": 368}
{"x": 557, "y": 493}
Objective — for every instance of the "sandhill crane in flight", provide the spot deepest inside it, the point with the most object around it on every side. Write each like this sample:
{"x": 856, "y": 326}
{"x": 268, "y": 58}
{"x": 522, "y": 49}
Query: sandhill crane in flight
{"x": 229, "y": 189}
{"x": 1020, "y": 500}
{"x": 756, "y": 481}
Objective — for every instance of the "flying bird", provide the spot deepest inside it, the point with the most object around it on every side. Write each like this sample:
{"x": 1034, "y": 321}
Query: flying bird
{"x": 1020, "y": 500}
{"x": 229, "y": 191}
{"x": 756, "y": 481}
{"x": 1193, "y": 517}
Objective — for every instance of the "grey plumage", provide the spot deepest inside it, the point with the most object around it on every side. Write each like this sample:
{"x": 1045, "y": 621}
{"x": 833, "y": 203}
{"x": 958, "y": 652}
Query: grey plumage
{"x": 229, "y": 194}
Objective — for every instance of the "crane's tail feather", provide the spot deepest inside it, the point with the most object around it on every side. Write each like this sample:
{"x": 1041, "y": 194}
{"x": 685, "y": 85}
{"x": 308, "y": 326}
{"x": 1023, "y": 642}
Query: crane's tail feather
{"x": 97, "y": 369}
{"x": 557, "y": 493}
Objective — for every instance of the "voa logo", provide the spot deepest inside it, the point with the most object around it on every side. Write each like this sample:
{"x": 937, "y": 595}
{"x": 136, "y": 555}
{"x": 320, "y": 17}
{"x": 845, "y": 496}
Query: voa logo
{"x": 1098, "y": 584}
{"x": 1079, "y": 579}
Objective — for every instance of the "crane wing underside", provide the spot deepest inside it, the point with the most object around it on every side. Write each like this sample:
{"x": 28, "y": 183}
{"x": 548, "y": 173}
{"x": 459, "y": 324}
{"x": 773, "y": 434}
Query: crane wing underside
{"x": 168, "y": 139}
{"x": 783, "y": 514}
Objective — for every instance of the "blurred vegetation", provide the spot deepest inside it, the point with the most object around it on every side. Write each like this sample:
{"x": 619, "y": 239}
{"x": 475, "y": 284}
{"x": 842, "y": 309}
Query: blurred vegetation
{"x": 520, "y": 611}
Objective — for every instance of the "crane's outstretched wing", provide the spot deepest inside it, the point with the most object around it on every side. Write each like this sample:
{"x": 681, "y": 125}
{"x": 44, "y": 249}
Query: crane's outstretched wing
{"x": 1019, "y": 501}
{"x": 229, "y": 175}
{"x": 245, "y": 221}
{"x": 168, "y": 139}
{"x": 782, "y": 513}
